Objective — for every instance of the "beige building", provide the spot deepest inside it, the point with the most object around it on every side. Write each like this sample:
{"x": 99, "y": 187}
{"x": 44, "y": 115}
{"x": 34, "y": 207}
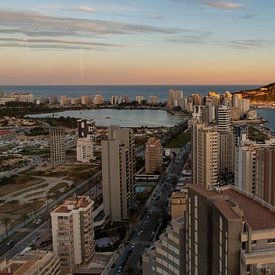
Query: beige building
{"x": 73, "y": 233}
{"x": 76, "y": 101}
{"x": 85, "y": 100}
{"x": 118, "y": 172}
{"x": 153, "y": 156}
{"x": 153, "y": 99}
{"x": 226, "y": 153}
{"x": 167, "y": 255}
{"x": 65, "y": 100}
{"x": 98, "y": 100}
{"x": 174, "y": 98}
{"x": 57, "y": 145}
{"x": 224, "y": 118}
{"x": 265, "y": 174}
{"x": 33, "y": 262}
{"x": 178, "y": 204}
{"x": 204, "y": 155}
{"x": 84, "y": 150}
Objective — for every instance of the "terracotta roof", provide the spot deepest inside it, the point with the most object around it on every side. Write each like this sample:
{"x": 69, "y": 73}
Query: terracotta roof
{"x": 257, "y": 216}
{"x": 225, "y": 208}
{"x": 198, "y": 188}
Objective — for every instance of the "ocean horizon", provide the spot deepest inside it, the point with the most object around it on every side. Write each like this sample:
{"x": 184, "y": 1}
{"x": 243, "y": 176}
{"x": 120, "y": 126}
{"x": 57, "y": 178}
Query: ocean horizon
{"x": 131, "y": 90}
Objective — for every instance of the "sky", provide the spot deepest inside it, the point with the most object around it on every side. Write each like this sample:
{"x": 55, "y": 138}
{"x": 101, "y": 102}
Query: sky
{"x": 137, "y": 42}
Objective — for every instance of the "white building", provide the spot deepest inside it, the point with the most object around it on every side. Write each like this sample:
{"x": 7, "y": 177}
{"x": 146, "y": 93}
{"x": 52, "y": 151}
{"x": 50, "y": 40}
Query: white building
{"x": 84, "y": 150}
{"x": 73, "y": 233}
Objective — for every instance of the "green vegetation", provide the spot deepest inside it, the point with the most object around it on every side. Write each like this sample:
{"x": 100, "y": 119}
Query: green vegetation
{"x": 255, "y": 135}
{"x": 38, "y": 131}
{"x": 21, "y": 179}
{"x": 68, "y": 122}
{"x": 179, "y": 140}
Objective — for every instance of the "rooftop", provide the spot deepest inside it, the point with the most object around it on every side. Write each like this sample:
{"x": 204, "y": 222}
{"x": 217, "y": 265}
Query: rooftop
{"x": 234, "y": 204}
{"x": 257, "y": 216}
{"x": 73, "y": 204}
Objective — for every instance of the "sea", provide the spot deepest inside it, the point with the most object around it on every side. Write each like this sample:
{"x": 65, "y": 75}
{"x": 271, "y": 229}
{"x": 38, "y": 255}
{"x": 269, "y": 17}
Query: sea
{"x": 133, "y": 90}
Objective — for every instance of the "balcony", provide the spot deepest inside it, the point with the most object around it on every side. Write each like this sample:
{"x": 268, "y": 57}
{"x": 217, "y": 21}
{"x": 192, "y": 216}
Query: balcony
{"x": 261, "y": 256}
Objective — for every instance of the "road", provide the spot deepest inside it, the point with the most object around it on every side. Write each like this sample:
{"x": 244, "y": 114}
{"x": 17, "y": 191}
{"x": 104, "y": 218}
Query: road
{"x": 43, "y": 210}
{"x": 146, "y": 229}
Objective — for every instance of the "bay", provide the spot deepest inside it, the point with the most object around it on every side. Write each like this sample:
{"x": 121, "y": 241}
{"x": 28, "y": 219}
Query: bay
{"x": 123, "y": 118}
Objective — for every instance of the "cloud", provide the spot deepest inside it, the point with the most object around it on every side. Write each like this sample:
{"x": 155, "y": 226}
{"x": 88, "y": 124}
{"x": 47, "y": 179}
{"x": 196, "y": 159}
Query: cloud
{"x": 84, "y": 9}
{"x": 223, "y": 5}
{"x": 52, "y": 43}
{"x": 37, "y": 25}
{"x": 31, "y": 23}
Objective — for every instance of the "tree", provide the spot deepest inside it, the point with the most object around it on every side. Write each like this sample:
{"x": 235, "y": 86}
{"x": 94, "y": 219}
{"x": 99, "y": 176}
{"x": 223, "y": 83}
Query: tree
{"x": 6, "y": 222}
{"x": 24, "y": 216}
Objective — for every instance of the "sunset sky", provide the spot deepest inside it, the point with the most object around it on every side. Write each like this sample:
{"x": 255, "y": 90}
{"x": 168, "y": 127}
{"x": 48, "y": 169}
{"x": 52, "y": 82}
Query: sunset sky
{"x": 137, "y": 42}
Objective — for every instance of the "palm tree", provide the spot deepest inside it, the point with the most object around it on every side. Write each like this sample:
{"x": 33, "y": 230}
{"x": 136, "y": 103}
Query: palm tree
{"x": 24, "y": 216}
{"x": 35, "y": 205}
{"x": 6, "y": 222}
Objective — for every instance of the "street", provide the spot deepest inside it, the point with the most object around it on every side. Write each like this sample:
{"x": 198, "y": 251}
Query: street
{"x": 146, "y": 229}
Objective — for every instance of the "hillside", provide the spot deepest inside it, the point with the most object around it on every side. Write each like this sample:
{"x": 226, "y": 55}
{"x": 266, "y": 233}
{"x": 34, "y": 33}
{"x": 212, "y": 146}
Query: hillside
{"x": 262, "y": 94}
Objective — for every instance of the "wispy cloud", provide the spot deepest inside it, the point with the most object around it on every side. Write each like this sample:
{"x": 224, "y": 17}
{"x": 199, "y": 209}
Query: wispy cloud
{"x": 31, "y": 23}
{"x": 46, "y": 29}
{"x": 52, "y": 43}
{"x": 84, "y": 9}
{"x": 223, "y": 5}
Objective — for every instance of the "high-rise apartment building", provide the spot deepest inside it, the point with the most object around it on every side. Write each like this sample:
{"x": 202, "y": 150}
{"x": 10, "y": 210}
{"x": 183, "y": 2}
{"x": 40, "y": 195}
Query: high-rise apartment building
{"x": 204, "y": 155}
{"x": 33, "y": 262}
{"x": 85, "y": 100}
{"x": 84, "y": 150}
{"x": 265, "y": 174}
{"x": 245, "y": 167}
{"x": 225, "y": 153}
{"x": 174, "y": 97}
{"x": 153, "y": 99}
{"x": 118, "y": 172}
{"x": 167, "y": 255}
{"x": 65, "y": 101}
{"x": 57, "y": 145}
{"x": 139, "y": 99}
{"x": 98, "y": 100}
{"x": 228, "y": 232}
{"x": 153, "y": 156}
{"x": 73, "y": 233}
{"x": 223, "y": 118}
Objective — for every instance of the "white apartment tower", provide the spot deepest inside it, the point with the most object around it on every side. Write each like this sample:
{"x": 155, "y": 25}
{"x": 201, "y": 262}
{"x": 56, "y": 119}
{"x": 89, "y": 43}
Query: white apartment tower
{"x": 118, "y": 172}
{"x": 84, "y": 150}
{"x": 224, "y": 118}
{"x": 57, "y": 145}
{"x": 73, "y": 233}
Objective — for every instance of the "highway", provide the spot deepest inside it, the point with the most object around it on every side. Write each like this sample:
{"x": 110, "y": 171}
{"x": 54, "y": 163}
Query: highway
{"x": 40, "y": 212}
{"x": 146, "y": 229}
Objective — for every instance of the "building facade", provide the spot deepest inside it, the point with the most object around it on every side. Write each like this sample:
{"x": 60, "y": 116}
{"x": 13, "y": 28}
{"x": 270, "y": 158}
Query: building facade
{"x": 228, "y": 232}
{"x": 57, "y": 145}
{"x": 167, "y": 255}
{"x": 153, "y": 156}
{"x": 118, "y": 172}
{"x": 73, "y": 233}
{"x": 33, "y": 262}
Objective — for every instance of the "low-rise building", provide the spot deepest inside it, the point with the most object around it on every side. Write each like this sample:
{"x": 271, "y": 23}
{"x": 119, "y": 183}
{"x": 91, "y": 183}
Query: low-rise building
{"x": 33, "y": 262}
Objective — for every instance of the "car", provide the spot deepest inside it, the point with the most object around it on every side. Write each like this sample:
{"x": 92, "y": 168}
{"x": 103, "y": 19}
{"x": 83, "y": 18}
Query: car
{"x": 10, "y": 243}
{"x": 133, "y": 245}
{"x": 139, "y": 234}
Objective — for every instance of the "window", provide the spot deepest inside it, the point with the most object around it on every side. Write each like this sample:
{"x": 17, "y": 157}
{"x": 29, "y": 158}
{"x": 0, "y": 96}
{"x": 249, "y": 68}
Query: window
{"x": 254, "y": 242}
{"x": 271, "y": 241}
